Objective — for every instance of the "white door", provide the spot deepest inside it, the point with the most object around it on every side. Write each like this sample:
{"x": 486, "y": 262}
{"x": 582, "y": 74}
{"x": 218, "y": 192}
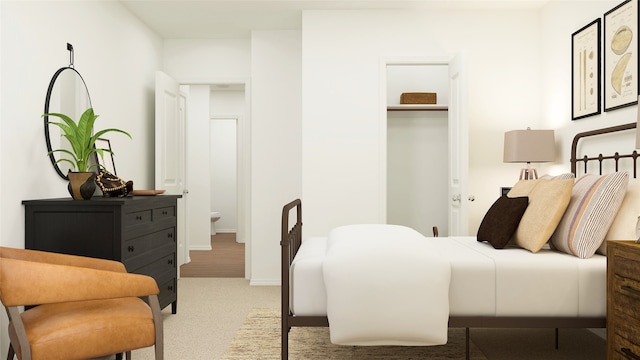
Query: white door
{"x": 170, "y": 151}
{"x": 458, "y": 151}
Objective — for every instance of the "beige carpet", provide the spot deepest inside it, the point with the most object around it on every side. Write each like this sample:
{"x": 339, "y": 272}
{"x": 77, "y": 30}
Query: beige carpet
{"x": 259, "y": 338}
{"x": 212, "y": 312}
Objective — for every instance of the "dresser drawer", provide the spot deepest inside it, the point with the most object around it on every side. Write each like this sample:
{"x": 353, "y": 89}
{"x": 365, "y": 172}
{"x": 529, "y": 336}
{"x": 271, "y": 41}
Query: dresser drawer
{"x": 156, "y": 268}
{"x": 137, "y": 218}
{"x": 628, "y": 328}
{"x": 168, "y": 290}
{"x": 627, "y": 296}
{"x": 625, "y": 266}
{"x": 624, "y": 349}
{"x": 139, "y": 245}
{"x": 164, "y": 213}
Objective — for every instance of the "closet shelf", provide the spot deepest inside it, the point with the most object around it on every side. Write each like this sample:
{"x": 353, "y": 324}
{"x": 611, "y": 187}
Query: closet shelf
{"x": 418, "y": 107}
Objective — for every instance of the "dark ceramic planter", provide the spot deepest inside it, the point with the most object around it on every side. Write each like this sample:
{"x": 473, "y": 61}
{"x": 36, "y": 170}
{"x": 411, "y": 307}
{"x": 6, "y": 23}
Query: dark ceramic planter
{"x": 82, "y": 185}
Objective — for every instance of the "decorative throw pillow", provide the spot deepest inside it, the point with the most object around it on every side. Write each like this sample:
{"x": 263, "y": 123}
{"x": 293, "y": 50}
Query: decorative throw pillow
{"x": 623, "y": 226}
{"x": 501, "y": 221}
{"x": 523, "y": 187}
{"x": 548, "y": 199}
{"x": 558, "y": 177}
{"x": 595, "y": 200}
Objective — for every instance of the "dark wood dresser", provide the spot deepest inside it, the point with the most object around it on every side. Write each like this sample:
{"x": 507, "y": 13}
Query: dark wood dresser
{"x": 139, "y": 231}
{"x": 623, "y": 300}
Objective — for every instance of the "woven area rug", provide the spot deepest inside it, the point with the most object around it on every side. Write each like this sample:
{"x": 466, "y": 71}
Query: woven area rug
{"x": 259, "y": 338}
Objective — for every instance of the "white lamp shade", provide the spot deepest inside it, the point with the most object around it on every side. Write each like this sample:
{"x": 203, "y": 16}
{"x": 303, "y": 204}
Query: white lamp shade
{"x": 525, "y": 146}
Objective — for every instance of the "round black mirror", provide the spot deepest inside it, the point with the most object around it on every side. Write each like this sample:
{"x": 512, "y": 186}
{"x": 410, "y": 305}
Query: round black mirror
{"x": 67, "y": 94}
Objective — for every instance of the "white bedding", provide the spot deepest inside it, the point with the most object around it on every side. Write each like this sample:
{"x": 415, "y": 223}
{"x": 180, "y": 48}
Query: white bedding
{"x": 484, "y": 281}
{"x": 385, "y": 285}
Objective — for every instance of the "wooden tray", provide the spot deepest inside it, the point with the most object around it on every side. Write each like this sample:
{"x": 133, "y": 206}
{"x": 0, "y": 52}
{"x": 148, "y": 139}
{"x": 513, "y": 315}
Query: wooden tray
{"x": 147, "y": 192}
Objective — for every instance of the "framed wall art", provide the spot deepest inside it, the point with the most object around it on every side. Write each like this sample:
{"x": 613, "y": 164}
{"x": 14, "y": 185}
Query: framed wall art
{"x": 621, "y": 56}
{"x": 106, "y": 160}
{"x": 585, "y": 71}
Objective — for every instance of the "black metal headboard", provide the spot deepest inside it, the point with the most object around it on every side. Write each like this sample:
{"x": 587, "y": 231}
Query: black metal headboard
{"x": 600, "y": 158}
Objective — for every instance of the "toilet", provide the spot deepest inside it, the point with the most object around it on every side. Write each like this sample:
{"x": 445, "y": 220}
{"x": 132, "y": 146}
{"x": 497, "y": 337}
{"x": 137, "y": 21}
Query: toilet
{"x": 215, "y": 216}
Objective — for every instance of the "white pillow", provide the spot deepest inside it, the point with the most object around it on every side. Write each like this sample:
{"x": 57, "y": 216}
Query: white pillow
{"x": 624, "y": 224}
{"x": 595, "y": 200}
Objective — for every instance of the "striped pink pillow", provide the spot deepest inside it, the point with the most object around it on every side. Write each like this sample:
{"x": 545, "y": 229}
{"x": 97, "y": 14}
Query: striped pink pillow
{"x": 595, "y": 200}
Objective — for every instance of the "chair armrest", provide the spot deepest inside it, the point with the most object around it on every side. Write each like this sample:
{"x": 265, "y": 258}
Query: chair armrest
{"x": 34, "y": 283}
{"x": 61, "y": 259}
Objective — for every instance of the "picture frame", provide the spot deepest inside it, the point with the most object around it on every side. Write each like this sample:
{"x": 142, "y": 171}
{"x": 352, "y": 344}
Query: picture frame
{"x": 586, "y": 71}
{"x": 106, "y": 160}
{"x": 620, "y": 50}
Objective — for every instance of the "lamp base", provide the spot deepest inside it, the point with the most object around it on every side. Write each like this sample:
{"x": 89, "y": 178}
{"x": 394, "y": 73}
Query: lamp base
{"x": 528, "y": 174}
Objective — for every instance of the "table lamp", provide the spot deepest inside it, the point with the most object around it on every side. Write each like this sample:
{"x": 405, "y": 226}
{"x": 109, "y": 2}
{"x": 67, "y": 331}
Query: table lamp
{"x": 529, "y": 146}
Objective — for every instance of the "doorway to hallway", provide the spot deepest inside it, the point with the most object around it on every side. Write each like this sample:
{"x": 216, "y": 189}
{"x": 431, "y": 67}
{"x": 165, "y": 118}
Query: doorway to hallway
{"x": 225, "y": 260}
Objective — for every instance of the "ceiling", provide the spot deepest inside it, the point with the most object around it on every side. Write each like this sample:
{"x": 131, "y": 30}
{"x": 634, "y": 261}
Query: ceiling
{"x": 203, "y": 19}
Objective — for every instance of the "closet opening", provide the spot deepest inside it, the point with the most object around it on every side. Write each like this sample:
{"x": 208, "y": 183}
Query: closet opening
{"x": 418, "y": 149}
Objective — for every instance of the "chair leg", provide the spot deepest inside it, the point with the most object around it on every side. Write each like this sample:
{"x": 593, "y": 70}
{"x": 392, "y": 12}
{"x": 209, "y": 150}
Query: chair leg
{"x": 119, "y": 356}
{"x": 157, "y": 321}
{"x": 467, "y": 343}
{"x": 10, "y": 353}
{"x": 128, "y": 355}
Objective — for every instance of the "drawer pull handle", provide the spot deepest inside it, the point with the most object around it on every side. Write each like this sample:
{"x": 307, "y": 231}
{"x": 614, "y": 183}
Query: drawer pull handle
{"x": 169, "y": 235}
{"x": 138, "y": 217}
{"x": 131, "y": 248}
{"x": 170, "y": 262}
{"x": 170, "y": 288}
{"x": 630, "y": 353}
{"x": 631, "y": 290}
{"x": 164, "y": 212}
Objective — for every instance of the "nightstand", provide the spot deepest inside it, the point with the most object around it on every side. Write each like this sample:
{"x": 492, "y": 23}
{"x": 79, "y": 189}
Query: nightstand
{"x": 623, "y": 300}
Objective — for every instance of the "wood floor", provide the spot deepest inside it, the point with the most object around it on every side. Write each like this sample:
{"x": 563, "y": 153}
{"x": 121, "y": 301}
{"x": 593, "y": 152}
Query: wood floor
{"x": 225, "y": 260}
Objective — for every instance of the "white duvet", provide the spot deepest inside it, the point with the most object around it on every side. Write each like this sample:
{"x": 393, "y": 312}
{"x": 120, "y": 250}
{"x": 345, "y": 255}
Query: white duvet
{"x": 483, "y": 282}
{"x": 397, "y": 294}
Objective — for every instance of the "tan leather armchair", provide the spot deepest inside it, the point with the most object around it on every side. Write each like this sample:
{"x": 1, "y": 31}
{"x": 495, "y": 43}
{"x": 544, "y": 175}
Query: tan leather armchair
{"x": 86, "y": 307}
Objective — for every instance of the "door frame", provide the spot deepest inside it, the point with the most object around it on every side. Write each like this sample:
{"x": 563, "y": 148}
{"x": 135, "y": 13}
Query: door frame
{"x": 244, "y": 165}
{"x": 240, "y": 161}
{"x": 461, "y": 125}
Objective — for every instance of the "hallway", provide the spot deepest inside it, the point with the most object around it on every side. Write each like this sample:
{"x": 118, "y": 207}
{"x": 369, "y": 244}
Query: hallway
{"x": 226, "y": 260}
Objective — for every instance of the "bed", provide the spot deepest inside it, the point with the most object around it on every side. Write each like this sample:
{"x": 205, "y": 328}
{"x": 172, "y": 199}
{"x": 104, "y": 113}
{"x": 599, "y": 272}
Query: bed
{"x": 485, "y": 284}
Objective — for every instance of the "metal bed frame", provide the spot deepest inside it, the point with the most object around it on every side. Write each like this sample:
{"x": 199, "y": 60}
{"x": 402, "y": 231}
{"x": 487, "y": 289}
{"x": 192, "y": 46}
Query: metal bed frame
{"x": 292, "y": 239}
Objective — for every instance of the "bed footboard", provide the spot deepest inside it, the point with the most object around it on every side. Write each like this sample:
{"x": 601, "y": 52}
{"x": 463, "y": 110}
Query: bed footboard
{"x": 290, "y": 243}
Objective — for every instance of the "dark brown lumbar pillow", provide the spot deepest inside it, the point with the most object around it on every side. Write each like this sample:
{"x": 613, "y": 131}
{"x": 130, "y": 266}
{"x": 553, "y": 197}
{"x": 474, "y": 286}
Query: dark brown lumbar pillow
{"x": 502, "y": 219}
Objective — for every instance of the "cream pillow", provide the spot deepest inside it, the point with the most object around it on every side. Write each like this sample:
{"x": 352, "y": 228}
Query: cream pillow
{"x": 595, "y": 200}
{"x": 548, "y": 199}
{"x": 624, "y": 224}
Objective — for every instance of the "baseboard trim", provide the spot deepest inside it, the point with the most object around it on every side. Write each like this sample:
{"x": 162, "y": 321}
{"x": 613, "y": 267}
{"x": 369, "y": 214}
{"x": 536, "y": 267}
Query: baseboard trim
{"x": 200, "y": 248}
{"x": 264, "y": 282}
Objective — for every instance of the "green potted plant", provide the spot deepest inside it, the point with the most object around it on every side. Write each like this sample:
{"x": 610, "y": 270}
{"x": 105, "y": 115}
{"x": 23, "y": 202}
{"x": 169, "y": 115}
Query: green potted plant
{"x": 82, "y": 140}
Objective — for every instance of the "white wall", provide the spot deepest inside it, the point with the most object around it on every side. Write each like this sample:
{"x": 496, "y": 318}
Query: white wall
{"x": 208, "y": 61}
{"x": 116, "y": 55}
{"x": 276, "y": 143}
{"x": 341, "y": 104}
